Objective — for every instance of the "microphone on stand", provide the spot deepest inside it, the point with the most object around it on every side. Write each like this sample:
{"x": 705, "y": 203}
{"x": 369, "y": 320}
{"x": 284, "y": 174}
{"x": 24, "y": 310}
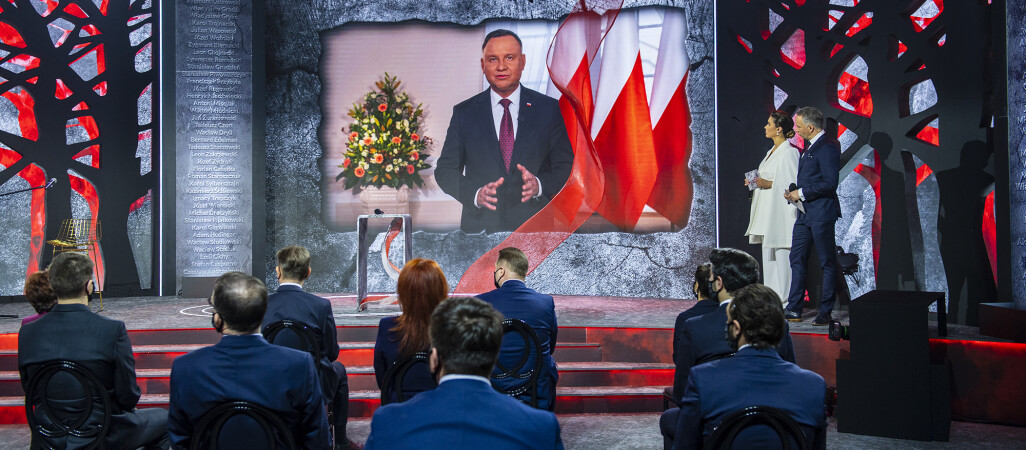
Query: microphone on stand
{"x": 50, "y": 184}
{"x": 378, "y": 211}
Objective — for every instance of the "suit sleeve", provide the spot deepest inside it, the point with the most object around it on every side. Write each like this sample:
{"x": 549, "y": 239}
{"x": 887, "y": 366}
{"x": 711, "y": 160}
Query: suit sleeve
{"x": 686, "y": 356}
{"x": 786, "y": 347}
{"x": 313, "y": 426}
{"x": 828, "y": 157}
{"x": 689, "y": 422}
{"x": 556, "y": 169}
{"x": 329, "y": 335}
{"x": 449, "y": 167}
{"x": 379, "y": 354}
{"x": 178, "y": 427}
{"x": 555, "y": 328}
{"x": 126, "y": 390}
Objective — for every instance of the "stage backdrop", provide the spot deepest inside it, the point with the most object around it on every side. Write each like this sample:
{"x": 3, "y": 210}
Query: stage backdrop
{"x": 323, "y": 58}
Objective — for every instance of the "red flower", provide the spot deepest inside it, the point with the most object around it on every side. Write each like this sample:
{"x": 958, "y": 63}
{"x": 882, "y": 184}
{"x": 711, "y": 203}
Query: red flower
{"x": 409, "y": 169}
{"x": 382, "y": 107}
{"x": 346, "y": 163}
{"x": 359, "y": 172}
{"x": 353, "y": 136}
{"x": 378, "y": 158}
{"x": 414, "y": 155}
{"x": 396, "y": 140}
{"x": 367, "y": 141}
{"x": 414, "y": 137}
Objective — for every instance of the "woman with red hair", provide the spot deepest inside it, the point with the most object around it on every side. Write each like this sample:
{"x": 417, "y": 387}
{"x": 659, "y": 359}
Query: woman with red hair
{"x": 422, "y": 286}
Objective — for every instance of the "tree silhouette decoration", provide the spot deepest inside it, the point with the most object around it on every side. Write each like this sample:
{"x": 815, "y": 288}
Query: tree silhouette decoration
{"x": 909, "y": 79}
{"x": 81, "y": 75}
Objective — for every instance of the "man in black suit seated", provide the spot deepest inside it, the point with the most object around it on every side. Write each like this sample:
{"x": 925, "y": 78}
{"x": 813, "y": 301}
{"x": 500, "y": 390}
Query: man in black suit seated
{"x": 704, "y": 306}
{"x": 702, "y": 338}
{"x": 243, "y": 366}
{"x": 291, "y": 302}
{"x": 754, "y": 376}
{"x": 506, "y": 152}
{"x": 72, "y": 332}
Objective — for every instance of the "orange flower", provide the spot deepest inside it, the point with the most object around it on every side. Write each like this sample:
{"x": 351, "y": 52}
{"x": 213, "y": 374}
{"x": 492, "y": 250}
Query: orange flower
{"x": 378, "y": 158}
{"x": 414, "y": 155}
{"x": 409, "y": 169}
{"x": 346, "y": 163}
{"x": 353, "y": 136}
{"x": 367, "y": 141}
{"x": 396, "y": 140}
{"x": 359, "y": 172}
{"x": 382, "y": 107}
{"x": 414, "y": 137}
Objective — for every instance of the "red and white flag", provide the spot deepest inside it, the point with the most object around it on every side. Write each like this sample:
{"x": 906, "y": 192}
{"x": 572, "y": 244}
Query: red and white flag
{"x": 673, "y": 192}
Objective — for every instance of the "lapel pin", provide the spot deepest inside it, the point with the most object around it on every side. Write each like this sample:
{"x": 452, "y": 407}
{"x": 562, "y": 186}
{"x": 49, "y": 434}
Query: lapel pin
{"x": 528, "y": 104}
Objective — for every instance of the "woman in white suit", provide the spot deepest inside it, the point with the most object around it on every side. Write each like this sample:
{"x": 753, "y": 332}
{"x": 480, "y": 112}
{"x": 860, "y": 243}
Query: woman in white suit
{"x": 772, "y": 219}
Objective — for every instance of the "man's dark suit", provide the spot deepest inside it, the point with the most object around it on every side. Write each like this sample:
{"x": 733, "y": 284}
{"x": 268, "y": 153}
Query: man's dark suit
{"x": 704, "y": 339}
{"x": 463, "y": 413}
{"x": 701, "y": 308}
{"x": 751, "y": 377}
{"x": 471, "y": 158}
{"x": 248, "y": 368}
{"x": 817, "y": 179}
{"x": 73, "y": 332}
{"x": 291, "y": 302}
{"x": 517, "y": 301}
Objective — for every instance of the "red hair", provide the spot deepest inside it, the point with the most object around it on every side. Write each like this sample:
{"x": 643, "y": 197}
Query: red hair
{"x": 422, "y": 286}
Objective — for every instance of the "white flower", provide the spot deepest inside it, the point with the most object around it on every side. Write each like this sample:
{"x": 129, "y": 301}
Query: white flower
{"x": 389, "y": 168}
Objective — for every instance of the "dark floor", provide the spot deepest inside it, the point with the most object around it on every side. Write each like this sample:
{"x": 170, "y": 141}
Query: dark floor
{"x": 641, "y": 431}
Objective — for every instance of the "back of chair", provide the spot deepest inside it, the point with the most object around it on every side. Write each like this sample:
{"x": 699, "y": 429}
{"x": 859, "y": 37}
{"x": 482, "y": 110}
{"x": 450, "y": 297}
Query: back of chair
{"x": 303, "y": 337}
{"x": 53, "y": 420}
{"x": 525, "y": 374}
{"x": 396, "y": 375}
{"x": 776, "y": 419}
{"x": 271, "y": 428}
{"x": 79, "y": 231}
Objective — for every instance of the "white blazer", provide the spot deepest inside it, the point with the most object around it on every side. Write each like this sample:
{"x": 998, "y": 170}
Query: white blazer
{"x": 772, "y": 219}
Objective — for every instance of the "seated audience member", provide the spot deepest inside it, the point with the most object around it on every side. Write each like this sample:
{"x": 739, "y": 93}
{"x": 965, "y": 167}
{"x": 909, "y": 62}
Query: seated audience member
{"x": 245, "y": 367}
{"x": 755, "y": 375}
{"x": 40, "y": 295}
{"x": 702, "y": 338}
{"x": 515, "y": 300}
{"x": 290, "y": 302}
{"x": 70, "y": 331}
{"x": 421, "y": 287}
{"x": 464, "y": 411}
{"x": 704, "y": 306}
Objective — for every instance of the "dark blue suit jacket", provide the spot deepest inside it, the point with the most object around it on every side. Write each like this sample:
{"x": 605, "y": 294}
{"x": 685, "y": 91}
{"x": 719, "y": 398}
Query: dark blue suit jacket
{"x": 817, "y": 178}
{"x": 517, "y": 301}
{"x": 749, "y": 378}
{"x": 291, "y": 302}
{"x": 248, "y": 368}
{"x": 705, "y": 339}
{"x": 701, "y": 308}
{"x": 541, "y": 146}
{"x": 463, "y": 414}
{"x": 386, "y": 353}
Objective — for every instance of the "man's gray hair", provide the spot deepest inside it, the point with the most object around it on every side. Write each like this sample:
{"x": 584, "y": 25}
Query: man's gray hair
{"x": 811, "y": 116}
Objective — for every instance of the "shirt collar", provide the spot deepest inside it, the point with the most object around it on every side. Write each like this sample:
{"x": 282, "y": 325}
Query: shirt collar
{"x": 300, "y": 286}
{"x": 816, "y": 137}
{"x": 725, "y": 301}
{"x": 514, "y": 279}
{"x": 514, "y": 98}
{"x": 459, "y": 376}
{"x": 743, "y": 347}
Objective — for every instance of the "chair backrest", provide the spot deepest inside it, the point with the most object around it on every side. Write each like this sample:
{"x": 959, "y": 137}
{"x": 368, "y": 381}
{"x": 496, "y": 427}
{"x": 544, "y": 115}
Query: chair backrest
{"x": 208, "y": 432}
{"x": 396, "y": 375}
{"x": 54, "y": 421}
{"x": 786, "y": 428}
{"x": 301, "y": 337}
{"x": 526, "y": 375}
{"x": 79, "y": 231}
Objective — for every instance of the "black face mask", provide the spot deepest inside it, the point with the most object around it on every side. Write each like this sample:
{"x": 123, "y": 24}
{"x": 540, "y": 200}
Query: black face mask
{"x": 495, "y": 279}
{"x": 732, "y": 342}
{"x": 213, "y": 323}
{"x": 713, "y": 293}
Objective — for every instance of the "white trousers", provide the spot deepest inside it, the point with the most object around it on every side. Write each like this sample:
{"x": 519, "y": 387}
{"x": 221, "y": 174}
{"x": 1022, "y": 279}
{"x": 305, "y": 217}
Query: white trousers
{"x": 776, "y": 270}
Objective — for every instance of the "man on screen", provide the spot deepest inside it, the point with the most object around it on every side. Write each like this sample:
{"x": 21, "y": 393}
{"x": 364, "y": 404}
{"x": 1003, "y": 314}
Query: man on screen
{"x": 506, "y": 152}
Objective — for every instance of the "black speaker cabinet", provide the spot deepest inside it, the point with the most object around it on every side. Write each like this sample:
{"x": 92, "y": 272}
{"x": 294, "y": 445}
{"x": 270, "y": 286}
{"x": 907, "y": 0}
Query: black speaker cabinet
{"x": 888, "y": 387}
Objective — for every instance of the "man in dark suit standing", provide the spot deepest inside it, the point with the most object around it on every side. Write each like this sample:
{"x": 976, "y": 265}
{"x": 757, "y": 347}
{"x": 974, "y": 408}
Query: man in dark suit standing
{"x": 515, "y": 300}
{"x": 464, "y": 411}
{"x": 70, "y": 331}
{"x": 704, "y": 306}
{"x": 506, "y": 152}
{"x": 702, "y": 339}
{"x": 245, "y": 367}
{"x": 817, "y": 192}
{"x": 290, "y": 302}
{"x": 755, "y": 375}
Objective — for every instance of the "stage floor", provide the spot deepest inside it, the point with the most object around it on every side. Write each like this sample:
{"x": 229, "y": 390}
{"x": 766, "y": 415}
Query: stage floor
{"x": 149, "y": 313}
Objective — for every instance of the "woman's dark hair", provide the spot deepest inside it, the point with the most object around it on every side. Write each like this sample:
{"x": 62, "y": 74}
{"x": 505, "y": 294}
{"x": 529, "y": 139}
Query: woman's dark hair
{"x": 702, "y": 278}
{"x": 759, "y": 312}
{"x": 784, "y": 121}
{"x": 421, "y": 287}
{"x": 40, "y": 294}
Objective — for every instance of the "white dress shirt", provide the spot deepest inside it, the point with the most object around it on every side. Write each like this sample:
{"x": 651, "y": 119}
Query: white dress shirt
{"x": 514, "y": 114}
